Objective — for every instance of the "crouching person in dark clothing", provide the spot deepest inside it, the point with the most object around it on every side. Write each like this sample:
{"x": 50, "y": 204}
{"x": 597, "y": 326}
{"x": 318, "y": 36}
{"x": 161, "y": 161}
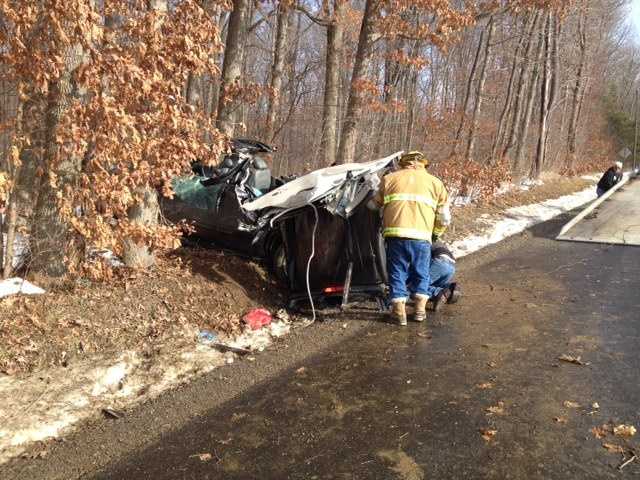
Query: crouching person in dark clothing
{"x": 442, "y": 269}
{"x": 441, "y": 272}
{"x": 609, "y": 179}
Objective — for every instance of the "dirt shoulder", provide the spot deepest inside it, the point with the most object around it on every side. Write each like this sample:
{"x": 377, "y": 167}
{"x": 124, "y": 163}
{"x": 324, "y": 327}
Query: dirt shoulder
{"x": 189, "y": 291}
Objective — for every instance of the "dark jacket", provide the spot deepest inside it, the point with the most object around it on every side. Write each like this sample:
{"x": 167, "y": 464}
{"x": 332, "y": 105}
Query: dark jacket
{"x": 609, "y": 179}
{"x": 439, "y": 249}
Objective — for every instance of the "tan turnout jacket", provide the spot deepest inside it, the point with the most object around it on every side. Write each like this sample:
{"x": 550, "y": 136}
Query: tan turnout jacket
{"x": 415, "y": 204}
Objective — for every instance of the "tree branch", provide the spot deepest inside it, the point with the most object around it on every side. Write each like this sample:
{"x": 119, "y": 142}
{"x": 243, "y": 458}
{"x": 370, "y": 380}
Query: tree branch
{"x": 317, "y": 20}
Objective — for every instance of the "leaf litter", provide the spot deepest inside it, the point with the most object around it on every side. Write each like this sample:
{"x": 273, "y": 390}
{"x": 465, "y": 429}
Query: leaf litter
{"x": 134, "y": 311}
{"x": 574, "y": 360}
{"x": 621, "y": 430}
{"x": 496, "y": 409}
{"x": 203, "y": 457}
{"x": 624, "y": 430}
{"x": 485, "y": 386}
{"x": 488, "y": 434}
{"x": 613, "y": 448}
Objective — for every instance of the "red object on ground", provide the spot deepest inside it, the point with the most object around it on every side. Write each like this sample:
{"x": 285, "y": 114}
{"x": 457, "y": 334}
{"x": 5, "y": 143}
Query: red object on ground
{"x": 257, "y": 318}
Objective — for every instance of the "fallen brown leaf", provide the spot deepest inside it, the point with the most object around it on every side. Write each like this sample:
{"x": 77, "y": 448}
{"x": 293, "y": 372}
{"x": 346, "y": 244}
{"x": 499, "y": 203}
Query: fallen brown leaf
{"x": 613, "y": 448}
{"x": 570, "y": 404}
{"x": 560, "y": 419}
{"x": 488, "y": 434}
{"x": 574, "y": 360}
{"x": 496, "y": 410}
{"x": 601, "y": 432}
{"x": 485, "y": 385}
{"x": 301, "y": 370}
{"x": 624, "y": 430}
{"x": 203, "y": 457}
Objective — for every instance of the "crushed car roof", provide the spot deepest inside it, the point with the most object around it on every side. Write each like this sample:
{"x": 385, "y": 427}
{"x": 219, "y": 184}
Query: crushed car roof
{"x": 316, "y": 185}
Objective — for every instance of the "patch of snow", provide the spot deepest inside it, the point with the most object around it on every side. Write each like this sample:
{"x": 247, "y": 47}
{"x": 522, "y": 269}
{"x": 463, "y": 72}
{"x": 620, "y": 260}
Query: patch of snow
{"x": 504, "y": 188}
{"x": 111, "y": 379}
{"x": 517, "y": 219}
{"x": 15, "y": 285}
{"x": 47, "y": 404}
{"x": 530, "y": 182}
{"x": 111, "y": 258}
{"x": 462, "y": 200}
{"x": 592, "y": 177}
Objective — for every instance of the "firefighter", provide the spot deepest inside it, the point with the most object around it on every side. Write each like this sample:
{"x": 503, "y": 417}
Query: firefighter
{"x": 415, "y": 210}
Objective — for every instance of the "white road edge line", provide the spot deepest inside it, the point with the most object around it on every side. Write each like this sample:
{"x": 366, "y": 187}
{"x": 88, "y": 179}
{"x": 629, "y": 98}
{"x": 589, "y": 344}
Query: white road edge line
{"x": 572, "y": 223}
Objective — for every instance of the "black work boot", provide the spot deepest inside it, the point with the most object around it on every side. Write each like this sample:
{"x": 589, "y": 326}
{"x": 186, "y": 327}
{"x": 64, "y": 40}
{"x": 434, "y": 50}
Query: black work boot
{"x": 446, "y": 295}
{"x": 455, "y": 294}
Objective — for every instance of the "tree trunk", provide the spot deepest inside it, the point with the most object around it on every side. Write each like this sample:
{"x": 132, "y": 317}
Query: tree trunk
{"x": 3, "y": 256}
{"x": 467, "y": 95}
{"x": 356, "y": 98}
{"x": 214, "y": 81}
{"x": 145, "y": 212}
{"x": 545, "y": 101}
{"x": 52, "y": 244}
{"x": 577, "y": 90}
{"x": 500, "y": 134}
{"x": 522, "y": 85}
{"x": 191, "y": 94}
{"x": 232, "y": 65}
{"x": 11, "y": 222}
{"x": 277, "y": 70}
{"x": 533, "y": 87}
{"x": 413, "y": 99}
{"x": 479, "y": 92}
{"x": 10, "y": 218}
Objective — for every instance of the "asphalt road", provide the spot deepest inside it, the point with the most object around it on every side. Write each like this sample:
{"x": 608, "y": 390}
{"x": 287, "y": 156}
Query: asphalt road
{"x": 615, "y": 221}
{"x": 383, "y": 402}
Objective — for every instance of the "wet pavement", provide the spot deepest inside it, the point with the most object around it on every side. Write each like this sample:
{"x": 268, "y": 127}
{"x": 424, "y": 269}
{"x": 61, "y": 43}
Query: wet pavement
{"x": 413, "y": 403}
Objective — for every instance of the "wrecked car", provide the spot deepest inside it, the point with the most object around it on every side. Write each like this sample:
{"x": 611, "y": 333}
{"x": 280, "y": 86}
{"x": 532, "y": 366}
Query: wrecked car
{"x": 210, "y": 201}
{"x": 314, "y": 232}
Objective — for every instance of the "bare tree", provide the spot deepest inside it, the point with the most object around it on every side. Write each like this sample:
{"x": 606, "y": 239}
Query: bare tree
{"x": 480, "y": 91}
{"x": 468, "y": 90}
{"x": 525, "y": 70}
{"x": 277, "y": 69}
{"x": 507, "y": 108}
{"x": 356, "y": 96}
{"x": 578, "y": 88}
{"x": 522, "y": 139}
{"x": 232, "y": 65}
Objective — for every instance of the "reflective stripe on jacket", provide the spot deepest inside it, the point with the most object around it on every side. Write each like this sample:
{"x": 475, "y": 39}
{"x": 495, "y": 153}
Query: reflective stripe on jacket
{"x": 415, "y": 204}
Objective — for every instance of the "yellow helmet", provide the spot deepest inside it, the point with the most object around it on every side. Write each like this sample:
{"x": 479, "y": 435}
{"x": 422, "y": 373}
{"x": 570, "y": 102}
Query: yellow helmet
{"x": 413, "y": 157}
